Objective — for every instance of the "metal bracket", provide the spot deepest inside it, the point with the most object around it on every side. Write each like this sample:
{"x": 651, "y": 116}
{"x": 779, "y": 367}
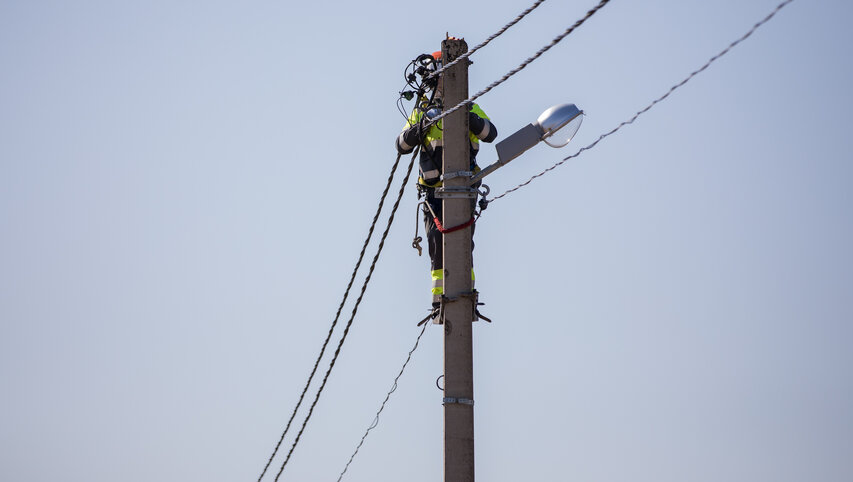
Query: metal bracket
{"x": 473, "y": 294}
{"x": 451, "y": 175}
{"x": 455, "y": 193}
{"x": 461, "y": 401}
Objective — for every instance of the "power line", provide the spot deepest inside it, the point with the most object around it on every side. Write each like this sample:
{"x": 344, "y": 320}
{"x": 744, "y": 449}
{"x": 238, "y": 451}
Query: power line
{"x": 382, "y": 407}
{"x": 337, "y": 315}
{"x": 659, "y": 99}
{"x": 391, "y": 218}
{"x": 524, "y": 64}
{"x": 486, "y": 42}
{"x": 364, "y": 247}
{"x": 354, "y": 310}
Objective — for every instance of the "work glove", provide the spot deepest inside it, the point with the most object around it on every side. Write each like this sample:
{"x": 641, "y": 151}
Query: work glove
{"x": 415, "y": 135}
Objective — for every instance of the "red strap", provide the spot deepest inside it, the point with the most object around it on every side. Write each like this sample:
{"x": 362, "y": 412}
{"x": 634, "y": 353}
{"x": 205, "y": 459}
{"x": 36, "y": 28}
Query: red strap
{"x": 455, "y": 228}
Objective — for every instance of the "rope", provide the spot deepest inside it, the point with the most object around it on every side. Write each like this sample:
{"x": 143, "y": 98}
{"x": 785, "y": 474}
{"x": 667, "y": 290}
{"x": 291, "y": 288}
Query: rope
{"x": 441, "y": 228}
{"x": 337, "y": 315}
{"x": 382, "y": 407}
{"x": 444, "y": 230}
{"x": 522, "y": 65}
{"x": 486, "y": 42}
{"x": 659, "y": 99}
{"x": 354, "y": 310}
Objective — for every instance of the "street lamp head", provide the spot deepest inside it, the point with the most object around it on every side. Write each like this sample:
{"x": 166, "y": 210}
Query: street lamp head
{"x": 565, "y": 118}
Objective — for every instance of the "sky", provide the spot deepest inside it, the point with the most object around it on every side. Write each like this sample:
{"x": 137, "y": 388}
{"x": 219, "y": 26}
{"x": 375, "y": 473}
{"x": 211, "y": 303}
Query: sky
{"x": 185, "y": 188}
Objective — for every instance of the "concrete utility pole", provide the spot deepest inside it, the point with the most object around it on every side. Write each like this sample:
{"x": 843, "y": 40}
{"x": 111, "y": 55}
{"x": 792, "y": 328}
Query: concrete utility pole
{"x": 459, "y": 305}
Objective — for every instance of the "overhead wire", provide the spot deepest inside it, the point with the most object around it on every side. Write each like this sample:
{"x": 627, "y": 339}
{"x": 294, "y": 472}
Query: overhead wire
{"x": 382, "y": 407}
{"x": 354, "y": 311}
{"x": 659, "y": 99}
{"x": 491, "y": 37}
{"x": 337, "y": 315}
{"x": 394, "y": 387}
{"x": 358, "y": 264}
{"x": 361, "y": 257}
{"x": 524, "y": 64}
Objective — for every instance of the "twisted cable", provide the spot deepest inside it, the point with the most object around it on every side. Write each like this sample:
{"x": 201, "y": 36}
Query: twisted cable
{"x": 352, "y": 317}
{"x": 337, "y": 315}
{"x": 524, "y": 64}
{"x": 382, "y": 407}
{"x": 659, "y": 99}
{"x": 486, "y": 42}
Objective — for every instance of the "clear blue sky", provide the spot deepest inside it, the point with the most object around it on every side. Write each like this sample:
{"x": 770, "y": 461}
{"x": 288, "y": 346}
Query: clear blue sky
{"x": 185, "y": 186}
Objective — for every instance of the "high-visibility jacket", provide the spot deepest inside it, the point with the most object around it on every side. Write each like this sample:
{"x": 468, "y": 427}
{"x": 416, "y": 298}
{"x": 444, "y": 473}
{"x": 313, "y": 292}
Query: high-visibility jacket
{"x": 480, "y": 128}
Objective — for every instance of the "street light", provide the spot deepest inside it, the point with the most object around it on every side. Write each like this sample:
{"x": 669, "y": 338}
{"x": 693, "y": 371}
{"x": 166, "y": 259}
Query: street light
{"x": 564, "y": 118}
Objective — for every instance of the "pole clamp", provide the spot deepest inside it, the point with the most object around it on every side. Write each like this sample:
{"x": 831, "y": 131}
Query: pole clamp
{"x": 455, "y": 193}
{"x": 451, "y": 175}
{"x": 462, "y": 401}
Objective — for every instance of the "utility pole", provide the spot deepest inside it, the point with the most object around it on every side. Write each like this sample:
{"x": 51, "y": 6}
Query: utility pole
{"x": 459, "y": 303}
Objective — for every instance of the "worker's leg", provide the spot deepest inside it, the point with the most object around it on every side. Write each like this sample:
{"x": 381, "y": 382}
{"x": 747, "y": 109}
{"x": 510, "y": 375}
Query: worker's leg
{"x": 436, "y": 254}
{"x": 473, "y": 207}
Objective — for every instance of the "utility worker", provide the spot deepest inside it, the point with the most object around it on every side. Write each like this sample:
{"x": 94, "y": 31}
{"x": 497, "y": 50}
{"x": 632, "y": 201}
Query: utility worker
{"x": 430, "y": 139}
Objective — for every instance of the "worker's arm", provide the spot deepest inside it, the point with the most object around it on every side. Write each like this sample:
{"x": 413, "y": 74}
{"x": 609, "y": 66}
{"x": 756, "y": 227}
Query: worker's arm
{"x": 480, "y": 125}
{"x": 409, "y": 138}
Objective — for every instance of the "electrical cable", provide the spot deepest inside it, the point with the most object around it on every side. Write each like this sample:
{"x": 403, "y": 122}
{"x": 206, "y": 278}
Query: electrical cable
{"x": 659, "y": 99}
{"x": 396, "y": 205}
{"x": 382, "y": 407}
{"x": 486, "y": 42}
{"x": 425, "y": 62}
{"x": 354, "y": 311}
{"x": 524, "y": 64}
{"x": 337, "y": 315}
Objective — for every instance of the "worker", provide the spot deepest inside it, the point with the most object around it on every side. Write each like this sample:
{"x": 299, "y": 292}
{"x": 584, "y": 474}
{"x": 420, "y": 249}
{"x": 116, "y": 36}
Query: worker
{"x": 430, "y": 139}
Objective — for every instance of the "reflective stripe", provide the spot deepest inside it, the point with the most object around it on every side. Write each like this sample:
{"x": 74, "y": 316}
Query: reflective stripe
{"x": 403, "y": 144}
{"x": 475, "y": 139}
{"x": 432, "y": 174}
{"x": 437, "y": 282}
{"x": 436, "y": 143}
{"x": 486, "y": 129}
{"x": 424, "y": 183}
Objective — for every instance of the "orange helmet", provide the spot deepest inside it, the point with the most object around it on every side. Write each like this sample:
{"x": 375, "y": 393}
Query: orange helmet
{"x": 437, "y": 57}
